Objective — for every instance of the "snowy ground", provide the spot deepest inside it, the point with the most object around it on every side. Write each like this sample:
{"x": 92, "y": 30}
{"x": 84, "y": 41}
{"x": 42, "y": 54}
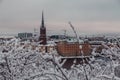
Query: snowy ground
{"x": 18, "y": 62}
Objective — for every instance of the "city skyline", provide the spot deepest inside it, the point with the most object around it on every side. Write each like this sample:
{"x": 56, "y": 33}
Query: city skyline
{"x": 88, "y": 16}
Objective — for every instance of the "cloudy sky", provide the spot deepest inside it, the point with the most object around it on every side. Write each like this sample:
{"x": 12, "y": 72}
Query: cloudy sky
{"x": 87, "y": 16}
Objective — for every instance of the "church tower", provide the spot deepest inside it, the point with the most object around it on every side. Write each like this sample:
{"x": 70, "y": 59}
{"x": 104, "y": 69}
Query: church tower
{"x": 42, "y": 37}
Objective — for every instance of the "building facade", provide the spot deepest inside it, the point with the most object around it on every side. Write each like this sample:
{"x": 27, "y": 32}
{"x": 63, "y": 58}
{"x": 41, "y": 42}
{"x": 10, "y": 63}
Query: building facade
{"x": 25, "y": 35}
{"x": 73, "y": 49}
{"x": 68, "y": 49}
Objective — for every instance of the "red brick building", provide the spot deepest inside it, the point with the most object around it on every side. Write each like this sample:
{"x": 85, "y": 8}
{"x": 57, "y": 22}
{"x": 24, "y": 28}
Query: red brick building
{"x": 73, "y": 49}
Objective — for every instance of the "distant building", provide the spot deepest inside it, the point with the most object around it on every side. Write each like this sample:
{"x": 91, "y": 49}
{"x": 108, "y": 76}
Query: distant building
{"x": 67, "y": 49}
{"x": 25, "y": 36}
{"x": 57, "y": 37}
{"x": 86, "y": 48}
{"x": 96, "y": 38}
{"x": 42, "y": 37}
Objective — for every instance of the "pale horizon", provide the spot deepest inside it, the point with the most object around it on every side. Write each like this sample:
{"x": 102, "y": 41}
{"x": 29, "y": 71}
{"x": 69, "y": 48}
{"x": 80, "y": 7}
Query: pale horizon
{"x": 88, "y": 17}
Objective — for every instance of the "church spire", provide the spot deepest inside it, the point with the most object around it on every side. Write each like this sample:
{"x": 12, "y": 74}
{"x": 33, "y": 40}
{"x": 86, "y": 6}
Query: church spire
{"x": 42, "y": 24}
{"x": 42, "y": 31}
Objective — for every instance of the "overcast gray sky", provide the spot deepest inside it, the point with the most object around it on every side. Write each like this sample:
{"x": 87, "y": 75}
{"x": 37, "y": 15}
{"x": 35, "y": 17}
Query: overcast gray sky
{"x": 87, "y": 16}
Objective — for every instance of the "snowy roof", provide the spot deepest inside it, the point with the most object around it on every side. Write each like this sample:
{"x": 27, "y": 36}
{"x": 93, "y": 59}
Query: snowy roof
{"x": 7, "y": 36}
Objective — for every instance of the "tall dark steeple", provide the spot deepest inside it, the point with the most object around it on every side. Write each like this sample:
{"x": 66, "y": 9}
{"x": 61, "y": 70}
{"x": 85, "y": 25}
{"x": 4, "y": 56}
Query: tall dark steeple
{"x": 42, "y": 23}
{"x": 42, "y": 38}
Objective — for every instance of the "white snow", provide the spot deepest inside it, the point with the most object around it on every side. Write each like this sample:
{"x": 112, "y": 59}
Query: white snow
{"x": 20, "y": 62}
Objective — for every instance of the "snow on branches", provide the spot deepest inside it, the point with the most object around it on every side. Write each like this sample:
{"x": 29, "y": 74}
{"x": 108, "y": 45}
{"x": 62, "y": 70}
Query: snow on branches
{"x": 18, "y": 61}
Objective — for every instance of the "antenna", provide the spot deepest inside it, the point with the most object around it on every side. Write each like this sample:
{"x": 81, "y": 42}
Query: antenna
{"x": 64, "y": 30}
{"x": 74, "y": 31}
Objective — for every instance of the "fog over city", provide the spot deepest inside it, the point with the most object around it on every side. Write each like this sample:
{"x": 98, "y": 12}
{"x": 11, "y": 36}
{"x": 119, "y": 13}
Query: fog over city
{"x": 87, "y": 16}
